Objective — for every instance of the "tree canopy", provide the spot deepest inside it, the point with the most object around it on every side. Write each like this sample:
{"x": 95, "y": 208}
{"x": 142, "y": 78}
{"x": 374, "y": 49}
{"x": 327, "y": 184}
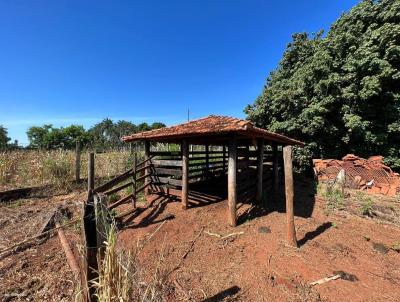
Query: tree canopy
{"x": 103, "y": 135}
{"x": 339, "y": 92}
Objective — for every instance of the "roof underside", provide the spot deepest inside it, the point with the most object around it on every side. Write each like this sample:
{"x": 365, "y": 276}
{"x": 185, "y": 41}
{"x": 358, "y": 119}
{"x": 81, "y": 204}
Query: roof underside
{"x": 211, "y": 129}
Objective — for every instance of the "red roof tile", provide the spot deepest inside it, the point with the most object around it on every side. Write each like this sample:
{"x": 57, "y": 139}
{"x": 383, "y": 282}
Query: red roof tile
{"x": 211, "y": 125}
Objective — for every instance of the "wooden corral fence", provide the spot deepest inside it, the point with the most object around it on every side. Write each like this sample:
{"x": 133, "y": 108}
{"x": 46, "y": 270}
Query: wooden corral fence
{"x": 250, "y": 170}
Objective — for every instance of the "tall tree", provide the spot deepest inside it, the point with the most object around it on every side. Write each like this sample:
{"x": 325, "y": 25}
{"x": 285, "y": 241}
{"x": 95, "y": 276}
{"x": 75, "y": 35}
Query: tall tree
{"x": 4, "y": 139}
{"x": 340, "y": 93}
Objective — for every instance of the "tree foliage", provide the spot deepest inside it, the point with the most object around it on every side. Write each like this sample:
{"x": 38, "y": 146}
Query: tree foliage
{"x": 340, "y": 93}
{"x": 4, "y": 139}
{"x": 103, "y": 135}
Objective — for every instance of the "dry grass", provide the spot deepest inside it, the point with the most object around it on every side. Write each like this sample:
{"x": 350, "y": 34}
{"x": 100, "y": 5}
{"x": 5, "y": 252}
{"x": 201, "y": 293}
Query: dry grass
{"x": 27, "y": 168}
{"x": 120, "y": 278}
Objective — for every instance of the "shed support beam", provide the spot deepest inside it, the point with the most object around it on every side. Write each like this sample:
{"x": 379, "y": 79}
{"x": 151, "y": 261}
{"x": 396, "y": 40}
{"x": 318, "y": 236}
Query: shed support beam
{"x": 232, "y": 169}
{"x": 185, "y": 174}
{"x": 147, "y": 170}
{"x": 275, "y": 173}
{"x": 289, "y": 192}
{"x": 260, "y": 166}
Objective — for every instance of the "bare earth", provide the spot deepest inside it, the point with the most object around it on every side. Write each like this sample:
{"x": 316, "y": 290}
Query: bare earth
{"x": 252, "y": 264}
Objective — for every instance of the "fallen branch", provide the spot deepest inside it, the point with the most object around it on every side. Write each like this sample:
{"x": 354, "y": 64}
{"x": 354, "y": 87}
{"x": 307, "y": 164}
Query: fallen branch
{"x": 224, "y": 237}
{"x": 73, "y": 264}
{"x": 186, "y": 252}
{"x": 193, "y": 242}
{"x": 326, "y": 279}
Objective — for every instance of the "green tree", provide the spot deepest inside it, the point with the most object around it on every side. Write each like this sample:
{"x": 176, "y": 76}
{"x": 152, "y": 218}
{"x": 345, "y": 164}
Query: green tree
{"x": 37, "y": 136}
{"x": 4, "y": 139}
{"x": 340, "y": 93}
{"x": 157, "y": 125}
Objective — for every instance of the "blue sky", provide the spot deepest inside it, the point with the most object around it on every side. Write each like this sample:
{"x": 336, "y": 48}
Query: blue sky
{"x": 65, "y": 62}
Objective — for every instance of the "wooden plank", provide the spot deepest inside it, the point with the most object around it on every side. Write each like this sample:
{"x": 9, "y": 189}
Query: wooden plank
{"x": 166, "y": 171}
{"x": 260, "y": 167}
{"x": 119, "y": 202}
{"x": 111, "y": 183}
{"x": 167, "y": 163}
{"x": 232, "y": 168}
{"x": 147, "y": 171}
{"x": 167, "y": 180}
{"x": 185, "y": 174}
{"x": 165, "y": 153}
{"x": 203, "y": 152}
{"x": 119, "y": 188}
{"x": 289, "y": 192}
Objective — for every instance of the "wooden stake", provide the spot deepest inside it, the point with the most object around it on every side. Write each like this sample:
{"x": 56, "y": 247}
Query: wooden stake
{"x": 78, "y": 161}
{"x": 260, "y": 166}
{"x": 185, "y": 174}
{"x": 232, "y": 169}
{"x": 289, "y": 192}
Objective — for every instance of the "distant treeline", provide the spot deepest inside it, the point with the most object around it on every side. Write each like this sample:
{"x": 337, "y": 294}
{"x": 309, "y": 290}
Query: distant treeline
{"x": 102, "y": 136}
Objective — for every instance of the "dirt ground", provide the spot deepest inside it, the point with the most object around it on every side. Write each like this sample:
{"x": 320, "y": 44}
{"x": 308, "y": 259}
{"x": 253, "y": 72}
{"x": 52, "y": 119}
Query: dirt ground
{"x": 204, "y": 259}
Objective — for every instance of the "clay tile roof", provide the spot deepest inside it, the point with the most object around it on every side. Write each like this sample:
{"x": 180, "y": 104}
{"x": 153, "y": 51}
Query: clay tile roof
{"x": 211, "y": 125}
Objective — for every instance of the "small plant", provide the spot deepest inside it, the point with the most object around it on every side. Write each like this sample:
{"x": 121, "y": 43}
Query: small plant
{"x": 335, "y": 197}
{"x": 367, "y": 207}
{"x": 113, "y": 197}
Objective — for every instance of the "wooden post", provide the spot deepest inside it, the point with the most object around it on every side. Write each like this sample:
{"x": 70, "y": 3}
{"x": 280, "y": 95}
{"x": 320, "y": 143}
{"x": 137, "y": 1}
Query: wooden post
{"x": 232, "y": 169}
{"x": 91, "y": 172}
{"x": 147, "y": 171}
{"x": 275, "y": 173}
{"x": 260, "y": 167}
{"x": 223, "y": 159}
{"x": 289, "y": 192}
{"x": 89, "y": 239}
{"x": 185, "y": 174}
{"x": 207, "y": 161}
{"x": 134, "y": 180}
{"x": 78, "y": 161}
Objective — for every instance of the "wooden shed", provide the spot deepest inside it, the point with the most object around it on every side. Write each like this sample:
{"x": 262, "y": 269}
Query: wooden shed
{"x": 241, "y": 156}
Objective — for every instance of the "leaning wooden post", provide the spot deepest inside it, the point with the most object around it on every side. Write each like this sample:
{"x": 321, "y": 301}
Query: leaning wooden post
{"x": 275, "y": 173}
{"x": 185, "y": 174}
{"x": 289, "y": 192}
{"x": 232, "y": 169}
{"x": 89, "y": 260}
{"x": 260, "y": 167}
{"x": 78, "y": 161}
{"x": 147, "y": 180}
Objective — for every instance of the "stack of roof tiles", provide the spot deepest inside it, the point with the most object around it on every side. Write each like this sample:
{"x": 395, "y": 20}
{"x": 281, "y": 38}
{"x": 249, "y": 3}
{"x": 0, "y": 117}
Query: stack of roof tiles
{"x": 369, "y": 174}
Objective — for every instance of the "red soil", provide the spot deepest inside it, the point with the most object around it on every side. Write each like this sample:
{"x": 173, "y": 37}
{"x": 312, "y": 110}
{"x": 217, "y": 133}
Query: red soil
{"x": 259, "y": 266}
